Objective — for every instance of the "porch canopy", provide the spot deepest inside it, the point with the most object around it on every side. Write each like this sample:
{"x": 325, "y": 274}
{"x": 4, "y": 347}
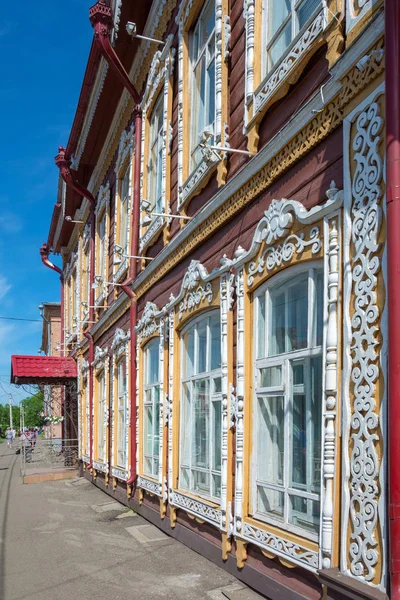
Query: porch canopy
{"x": 45, "y": 370}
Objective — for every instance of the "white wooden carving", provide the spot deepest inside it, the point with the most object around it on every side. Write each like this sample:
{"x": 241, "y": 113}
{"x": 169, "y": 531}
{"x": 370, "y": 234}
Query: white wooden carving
{"x": 102, "y": 207}
{"x": 364, "y": 513}
{"x": 102, "y": 361}
{"x": 119, "y": 346}
{"x": 196, "y": 507}
{"x": 356, "y": 10}
{"x": 239, "y": 405}
{"x": 125, "y": 150}
{"x": 158, "y": 82}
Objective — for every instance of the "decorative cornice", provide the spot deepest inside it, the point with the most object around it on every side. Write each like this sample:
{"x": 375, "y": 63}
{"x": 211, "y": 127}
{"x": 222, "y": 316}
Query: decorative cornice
{"x": 100, "y": 357}
{"x": 120, "y": 341}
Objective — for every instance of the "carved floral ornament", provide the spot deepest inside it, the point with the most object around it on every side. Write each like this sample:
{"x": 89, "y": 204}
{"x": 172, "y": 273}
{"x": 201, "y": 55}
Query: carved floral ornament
{"x": 150, "y": 322}
{"x": 103, "y": 198}
{"x": 275, "y": 225}
{"x": 120, "y": 342}
{"x": 100, "y": 358}
{"x": 125, "y": 148}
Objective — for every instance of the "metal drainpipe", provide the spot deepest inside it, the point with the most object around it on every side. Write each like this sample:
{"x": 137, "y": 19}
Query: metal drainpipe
{"x": 392, "y": 96}
{"x": 64, "y": 165}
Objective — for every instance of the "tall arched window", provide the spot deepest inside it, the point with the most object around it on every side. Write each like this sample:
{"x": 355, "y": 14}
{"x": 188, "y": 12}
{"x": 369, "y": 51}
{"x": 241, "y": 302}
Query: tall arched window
{"x": 200, "y": 422}
{"x": 151, "y": 407}
{"x": 288, "y": 400}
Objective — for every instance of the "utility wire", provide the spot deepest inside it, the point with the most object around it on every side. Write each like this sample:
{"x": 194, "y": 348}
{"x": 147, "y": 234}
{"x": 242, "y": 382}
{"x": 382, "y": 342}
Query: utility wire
{"x": 17, "y": 319}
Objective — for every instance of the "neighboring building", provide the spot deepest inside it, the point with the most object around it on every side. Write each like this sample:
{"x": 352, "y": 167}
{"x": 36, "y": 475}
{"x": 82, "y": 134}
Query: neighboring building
{"x": 233, "y": 381}
{"x": 53, "y": 396}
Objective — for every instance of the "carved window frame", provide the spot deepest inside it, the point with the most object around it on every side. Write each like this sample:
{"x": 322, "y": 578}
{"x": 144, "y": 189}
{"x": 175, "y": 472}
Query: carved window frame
{"x": 72, "y": 314}
{"x": 262, "y": 91}
{"x": 101, "y": 365}
{"x": 85, "y": 273}
{"x": 201, "y": 292}
{"x": 357, "y": 13}
{"x": 190, "y": 183}
{"x": 120, "y": 348}
{"x": 152, "y": 326}
{"x": 289, "y": 235}
{"x": 124, "y": 161}
{"x": 85, "y": 410}
{"x": 159, "y": 82}
{"x": 102, "y": 211}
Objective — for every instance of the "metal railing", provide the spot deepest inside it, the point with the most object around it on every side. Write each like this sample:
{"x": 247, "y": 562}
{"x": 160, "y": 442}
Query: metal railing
{"x": 55, "y": 453}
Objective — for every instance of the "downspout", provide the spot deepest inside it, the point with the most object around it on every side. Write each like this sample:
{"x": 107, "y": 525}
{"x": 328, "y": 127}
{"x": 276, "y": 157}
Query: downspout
{"x": 64, "y": 165}
{"x": 392, "y": 96}
{"x": 44, "y": 255}
{"x": 100, "y": 16}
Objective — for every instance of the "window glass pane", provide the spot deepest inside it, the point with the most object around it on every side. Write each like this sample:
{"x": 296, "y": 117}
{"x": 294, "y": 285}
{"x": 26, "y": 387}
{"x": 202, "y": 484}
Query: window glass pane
{"x": 156, "y": 448}
{"x": 201, "y": 416}
{"x": 152, "y": 356}
{"x": 270, "y": 439}
{"x": 185, "y": 437}
{"x": 276, "y": 341}
{"x": 297, "y": 314}
{"x": 305, "y": 11}
{"x": 184, "y": 479}
{"x": 216, "y": 491}
{"x": 281, "y": 43}
{"x": 270, "y": 376}
{"x": 278, "y": 11}
{"x": 188, "y": 353}
{"x": 201, "y": 482}
{"x": 211, "y": 91}
{"x": 122, "y": 376}
{"x": 217, "y": 434}
{"x": 215, "y": 333}
{"x": 299, "y": 441}
{"x": 148, "y": 429}
{"x": 202, "y": 346}
{"x": 305, "y": 513}
{"x": 270, "y": 502}
{"x": 319, "y": 303}
{"x": 217, "y": 385}
{"x": 261, "y": 326}
{"x": 316, "y": 416}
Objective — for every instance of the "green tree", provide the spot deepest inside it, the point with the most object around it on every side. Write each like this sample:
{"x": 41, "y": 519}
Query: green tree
{"x": 33, "y": 407}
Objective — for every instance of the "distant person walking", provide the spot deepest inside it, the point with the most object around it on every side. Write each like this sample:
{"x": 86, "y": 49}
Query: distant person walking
{"x": 9, "y": 437}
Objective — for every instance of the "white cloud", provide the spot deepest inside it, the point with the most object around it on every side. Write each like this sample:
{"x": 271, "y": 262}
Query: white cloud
{"x": 5, "y": 287}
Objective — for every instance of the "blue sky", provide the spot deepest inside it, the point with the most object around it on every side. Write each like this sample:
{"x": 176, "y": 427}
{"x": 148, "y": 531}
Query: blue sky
{"x": 44, "y": 51}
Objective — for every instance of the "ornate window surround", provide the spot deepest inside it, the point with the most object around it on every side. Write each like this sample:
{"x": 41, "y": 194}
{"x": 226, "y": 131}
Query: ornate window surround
{"x": 124, "y": 161}
{"x": 158, "y": 82}
{"x": 286, "y": 234}
{"x": 100, "y": 364}
{"x": 191, "y": 183}
{"x": 152, "y": 324}
{"x": 364, "y": 509}
{"x": 102, "y": 210}
{"x": 201, "y": 291}
{"x": 357, "y": 12}
{"x": 120, "y": 348}
{"x": 72, "y": 276}
{"x": 85, "y": 410}
{"x": 261, "y": 92}
{"x": 85, "y": 272}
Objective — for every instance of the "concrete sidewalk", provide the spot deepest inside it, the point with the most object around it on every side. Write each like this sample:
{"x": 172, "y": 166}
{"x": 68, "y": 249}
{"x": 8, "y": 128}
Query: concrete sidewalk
{"x": 67, "y": 539}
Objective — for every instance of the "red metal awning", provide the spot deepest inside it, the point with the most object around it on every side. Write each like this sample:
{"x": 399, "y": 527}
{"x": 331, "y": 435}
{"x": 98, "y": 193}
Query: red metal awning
{"x": 42, "y": 369}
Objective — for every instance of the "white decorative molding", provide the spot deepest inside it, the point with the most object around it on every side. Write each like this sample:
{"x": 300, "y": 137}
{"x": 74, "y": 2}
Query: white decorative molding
{"x": 121, "y": 474}
{"x": 171, "y": 344}
{"x": 356, "y": 10}
{"x": 197, "y": 508}
{"x": 158, "y": 81}
{"x": 224, "y": 295}
{"x": 289, "y": 62}
{"x": 103, "y": 199}
{"x": 331, "y": 266}
{"x": 196, "y": 287}
{"x": 102, "y": 208}
{"x": 202, "y": 171}
{"x": 102, "y": 362}
{"x": 100, "y": 358}
{"x": 125, "y": 148}
{"x": 276, "y": 223}
{"x": 365, "y": 361}
{"x": 249, "y": 17}
{"x": 120, "y": 347}
{"x": 239, "y": 404}
{"x": 117, "y": 17}
{"x": 154, "y": 487}
{"x": 85, "y": 459}
{"x": 298, "y": 554}
{"x": 120, "y": 342}
{"x": 100, "y": 466}
{"x": 148, "y": 324}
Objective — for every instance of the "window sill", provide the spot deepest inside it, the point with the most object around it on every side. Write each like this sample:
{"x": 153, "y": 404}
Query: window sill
{"x": 287, "y": 71}
{"x": 149, "y": 485}
{"x": 122, "y": 270}
{"x": 151, "y": 232}
{"x": 100, "y": 466}
{"x": 198, "y": 179}
{"x": 119, "y": 473}
{"x": 196, "y": 506}
{"x": 280, "y": 542}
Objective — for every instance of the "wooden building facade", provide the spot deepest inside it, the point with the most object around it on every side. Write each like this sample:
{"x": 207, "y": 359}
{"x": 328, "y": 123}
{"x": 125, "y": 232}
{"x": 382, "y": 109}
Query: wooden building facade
{"x": 233, "y": 378}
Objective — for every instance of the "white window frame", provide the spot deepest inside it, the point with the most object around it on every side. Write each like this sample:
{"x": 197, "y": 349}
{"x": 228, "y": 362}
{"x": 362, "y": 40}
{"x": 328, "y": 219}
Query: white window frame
{"x": 154, "y": 167}
{"x": 285, "y": 390}
{"x": 101, "y": 398}
{"x": 72, "y": 298}
{"x": 151, "y": 387}
{"x": 85, "y": 277}
{"x": 101, "y": 365}
{"x": 102, "y": 244}
{"x": 123, "y": 171}
{"x": 122, "y": 410}
{"x": 213, "y": 397}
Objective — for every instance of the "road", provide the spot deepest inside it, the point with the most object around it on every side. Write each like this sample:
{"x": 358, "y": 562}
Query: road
{"x": 68, "y": 540}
